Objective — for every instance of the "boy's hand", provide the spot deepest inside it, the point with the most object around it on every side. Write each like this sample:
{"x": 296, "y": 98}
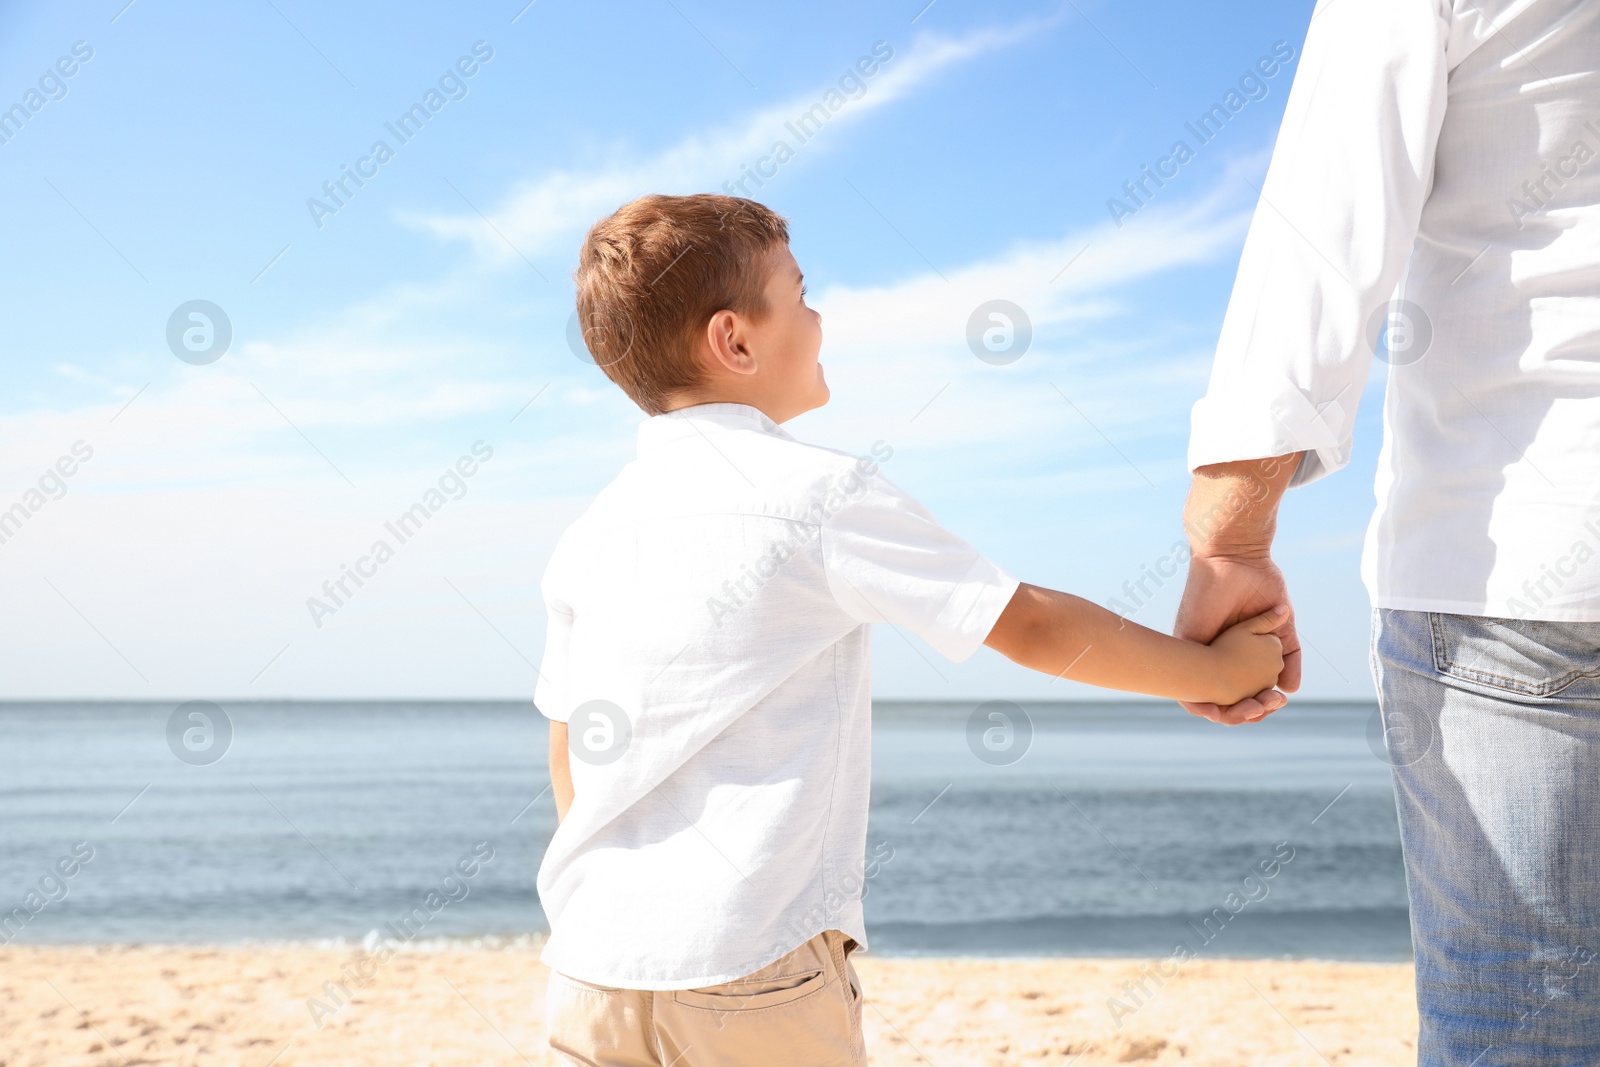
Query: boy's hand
{"x": 1248, "y": 657}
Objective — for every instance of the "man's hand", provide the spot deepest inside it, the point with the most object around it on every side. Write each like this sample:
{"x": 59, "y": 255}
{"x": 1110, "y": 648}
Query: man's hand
{"x": 1231, "y": 516}
{"x": 1221, "y": 592}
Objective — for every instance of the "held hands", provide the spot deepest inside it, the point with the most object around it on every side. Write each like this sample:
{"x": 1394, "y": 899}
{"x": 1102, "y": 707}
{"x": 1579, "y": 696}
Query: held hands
{"x": 1221, "y": 591}
{"x": 1247, "y": 658}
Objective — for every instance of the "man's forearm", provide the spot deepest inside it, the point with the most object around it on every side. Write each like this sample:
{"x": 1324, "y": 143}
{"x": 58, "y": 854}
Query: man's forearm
{"x": 1232, "y": 510}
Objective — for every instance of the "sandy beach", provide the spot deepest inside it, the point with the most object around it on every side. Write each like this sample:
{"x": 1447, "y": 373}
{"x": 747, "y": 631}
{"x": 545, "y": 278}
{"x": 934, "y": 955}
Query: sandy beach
{"x": 453, "y": 1005}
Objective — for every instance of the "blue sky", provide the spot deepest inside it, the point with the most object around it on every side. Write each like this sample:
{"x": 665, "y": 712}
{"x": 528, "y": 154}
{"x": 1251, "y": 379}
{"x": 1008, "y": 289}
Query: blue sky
{"x": 375, "y": 345}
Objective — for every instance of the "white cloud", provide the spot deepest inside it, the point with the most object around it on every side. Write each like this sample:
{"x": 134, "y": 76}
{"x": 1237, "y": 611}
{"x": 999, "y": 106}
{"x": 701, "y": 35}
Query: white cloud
{"x": 546, "y": 213}
{"x": 931, "y": 308}
{"x": 888, "y": 350}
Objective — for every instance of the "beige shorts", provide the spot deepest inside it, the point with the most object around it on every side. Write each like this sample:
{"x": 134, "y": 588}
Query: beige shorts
{"x": 804, "y": 1011}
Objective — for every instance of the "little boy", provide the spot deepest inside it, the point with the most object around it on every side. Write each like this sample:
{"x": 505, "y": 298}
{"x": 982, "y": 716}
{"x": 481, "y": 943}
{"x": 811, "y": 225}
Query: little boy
{"x": 706, "y": 672}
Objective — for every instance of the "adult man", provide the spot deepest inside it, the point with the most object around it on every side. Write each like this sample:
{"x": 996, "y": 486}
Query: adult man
{"x": 1453, "y": 152}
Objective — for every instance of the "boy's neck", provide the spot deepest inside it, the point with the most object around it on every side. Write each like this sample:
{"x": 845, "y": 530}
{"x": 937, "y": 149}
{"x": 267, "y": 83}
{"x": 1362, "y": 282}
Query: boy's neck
{"x": 777, "y": 412}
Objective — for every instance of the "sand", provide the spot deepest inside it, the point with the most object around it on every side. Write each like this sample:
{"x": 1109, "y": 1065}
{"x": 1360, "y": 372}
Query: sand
{"x": 456, "y": 1004}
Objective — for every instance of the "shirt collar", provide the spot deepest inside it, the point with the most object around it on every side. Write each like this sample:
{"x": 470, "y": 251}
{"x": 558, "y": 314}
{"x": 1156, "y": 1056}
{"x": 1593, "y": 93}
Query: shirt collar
{"x": 701, "y": 419}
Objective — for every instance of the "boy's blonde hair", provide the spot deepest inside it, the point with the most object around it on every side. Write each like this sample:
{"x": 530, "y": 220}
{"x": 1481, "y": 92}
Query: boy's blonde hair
{"x": 653, "y": 273}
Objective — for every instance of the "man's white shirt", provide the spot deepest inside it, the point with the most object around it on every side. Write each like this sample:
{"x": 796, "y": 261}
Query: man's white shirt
{"x": 1438, "y": 171}
{"x": 711, "y": 612}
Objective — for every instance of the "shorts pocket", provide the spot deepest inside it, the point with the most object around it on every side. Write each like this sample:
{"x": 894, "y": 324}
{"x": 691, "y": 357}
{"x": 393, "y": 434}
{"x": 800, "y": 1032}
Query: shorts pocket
{"x": 1526, "y": 657}
{"x": 756, "y": 995}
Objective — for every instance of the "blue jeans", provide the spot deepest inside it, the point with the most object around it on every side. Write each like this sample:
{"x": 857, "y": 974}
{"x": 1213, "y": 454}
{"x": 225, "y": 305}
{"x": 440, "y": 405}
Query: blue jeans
{"x": 1493, "y": 730}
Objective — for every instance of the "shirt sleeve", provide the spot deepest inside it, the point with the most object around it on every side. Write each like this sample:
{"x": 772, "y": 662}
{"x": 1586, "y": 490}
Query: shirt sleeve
{"x": 888, "y": 560}
{"x": 1334, "y": 228}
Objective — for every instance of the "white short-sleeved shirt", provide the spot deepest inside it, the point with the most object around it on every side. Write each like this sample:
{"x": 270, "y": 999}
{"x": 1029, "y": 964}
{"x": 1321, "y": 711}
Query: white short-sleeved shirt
{"x": 718, "y": 593}
{"x": 1450, "y": 148}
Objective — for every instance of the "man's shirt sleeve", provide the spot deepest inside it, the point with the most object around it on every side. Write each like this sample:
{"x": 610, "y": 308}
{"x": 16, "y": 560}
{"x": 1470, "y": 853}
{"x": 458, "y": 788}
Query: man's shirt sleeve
{"x": 888, "y": 560}
{"x": 1334, "y": 228}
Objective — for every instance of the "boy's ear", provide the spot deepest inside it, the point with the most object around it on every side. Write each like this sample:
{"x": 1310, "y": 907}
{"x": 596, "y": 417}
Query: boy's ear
{"x": 727, "y": 344}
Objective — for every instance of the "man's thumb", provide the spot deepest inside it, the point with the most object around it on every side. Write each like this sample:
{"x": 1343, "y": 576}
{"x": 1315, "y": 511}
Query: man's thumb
{"x": 1268, "y": 621}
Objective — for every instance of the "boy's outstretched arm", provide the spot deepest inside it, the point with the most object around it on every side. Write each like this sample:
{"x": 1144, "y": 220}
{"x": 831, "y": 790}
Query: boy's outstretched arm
{"x": 560, "y": 769}
{"x": 1067, "y": 636}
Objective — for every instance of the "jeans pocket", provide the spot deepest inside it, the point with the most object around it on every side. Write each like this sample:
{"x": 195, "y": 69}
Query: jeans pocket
{"x": 744, "y": 996}
{"x": 1526, "y": 657}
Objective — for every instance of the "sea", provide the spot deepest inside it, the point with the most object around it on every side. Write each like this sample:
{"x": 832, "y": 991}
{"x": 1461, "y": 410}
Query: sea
{"x": 997, "y": 829}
